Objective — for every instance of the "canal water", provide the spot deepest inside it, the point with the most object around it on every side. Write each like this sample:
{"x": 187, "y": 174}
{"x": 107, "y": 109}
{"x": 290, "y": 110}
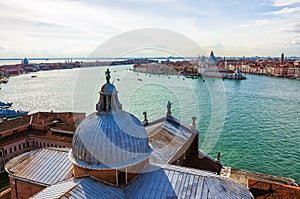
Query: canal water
{"x": 254, "y": 123}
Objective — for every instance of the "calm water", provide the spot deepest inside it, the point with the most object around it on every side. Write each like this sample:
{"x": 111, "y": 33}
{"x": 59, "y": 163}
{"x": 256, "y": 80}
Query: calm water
{"x": 254, "y": 123}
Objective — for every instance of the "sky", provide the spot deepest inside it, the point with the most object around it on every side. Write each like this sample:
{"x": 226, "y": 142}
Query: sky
{"x": 73, "y": 28}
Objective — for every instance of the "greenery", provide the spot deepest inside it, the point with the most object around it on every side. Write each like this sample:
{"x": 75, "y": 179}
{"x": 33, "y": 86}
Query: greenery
{"x": 4, "y": 181}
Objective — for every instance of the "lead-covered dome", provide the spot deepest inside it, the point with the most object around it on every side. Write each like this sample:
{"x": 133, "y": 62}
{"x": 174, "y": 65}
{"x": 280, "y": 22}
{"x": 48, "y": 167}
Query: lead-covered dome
{"x": 111, "y": 137}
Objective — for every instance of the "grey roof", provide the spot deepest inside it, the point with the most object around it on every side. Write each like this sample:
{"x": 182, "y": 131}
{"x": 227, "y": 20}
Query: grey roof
{"x": 168, "y": 181}
{"x": 156, "y": 181}
{"x": 169, "y": 139}
{"x": 44, "y": 166}
{"x": 80, "y": 188}
{"x": 110, "y": 140}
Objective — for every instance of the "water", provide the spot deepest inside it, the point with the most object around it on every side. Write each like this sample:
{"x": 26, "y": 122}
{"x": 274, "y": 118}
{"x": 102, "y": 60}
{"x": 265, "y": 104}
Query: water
{"x": 254, "y": 123}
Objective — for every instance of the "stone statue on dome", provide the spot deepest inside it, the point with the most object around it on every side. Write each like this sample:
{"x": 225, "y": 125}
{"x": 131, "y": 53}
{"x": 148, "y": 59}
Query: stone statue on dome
{"x": 107, "y": 75}
{"x": 169, "y": 106}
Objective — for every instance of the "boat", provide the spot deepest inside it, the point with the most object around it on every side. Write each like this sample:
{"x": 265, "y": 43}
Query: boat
{"x": 11, "y": 113}
{"x": 4, "y": 80}
{"x": 3, "y": 104}
{"x": 33, "y": 76}
{"x": 192, "y": 76}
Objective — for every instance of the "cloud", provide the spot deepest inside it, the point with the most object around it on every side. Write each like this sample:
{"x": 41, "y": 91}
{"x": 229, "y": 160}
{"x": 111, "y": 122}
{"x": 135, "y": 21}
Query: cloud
{"x": 287, "y": 10}
{"x": 273, "y": 25}
{"x": 285, "y": 2}
{"x": 34, "y": 25}
{"x": 296, "y": 41}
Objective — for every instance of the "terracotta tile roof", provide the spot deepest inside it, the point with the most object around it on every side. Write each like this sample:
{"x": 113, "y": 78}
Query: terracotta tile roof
{"x": 270, "y": 190}
{"x": 14, "y": 123}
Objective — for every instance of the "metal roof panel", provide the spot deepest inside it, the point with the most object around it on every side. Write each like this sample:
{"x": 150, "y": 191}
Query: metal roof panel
{"x": 45, "y": 166}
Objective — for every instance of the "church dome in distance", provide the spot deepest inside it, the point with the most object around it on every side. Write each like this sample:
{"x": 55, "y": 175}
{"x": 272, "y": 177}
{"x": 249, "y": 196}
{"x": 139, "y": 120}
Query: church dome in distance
{"x": 110, "y": 137}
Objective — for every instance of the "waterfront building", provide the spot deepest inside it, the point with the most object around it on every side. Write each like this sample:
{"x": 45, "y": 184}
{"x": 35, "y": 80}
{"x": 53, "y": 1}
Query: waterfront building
{"x": 42, "y": 129}
{"x": 114, "y": 155}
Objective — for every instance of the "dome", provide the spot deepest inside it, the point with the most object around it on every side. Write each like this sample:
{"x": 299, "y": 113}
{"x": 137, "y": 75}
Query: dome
{"x": 111, "y": 137}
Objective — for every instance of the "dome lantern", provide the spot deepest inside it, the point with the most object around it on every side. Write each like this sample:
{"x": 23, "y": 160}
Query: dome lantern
{"x": 108, "y": 97}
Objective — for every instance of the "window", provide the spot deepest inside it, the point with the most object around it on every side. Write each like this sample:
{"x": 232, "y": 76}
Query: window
{"x": 10, "y": 150}
{"x": 15, "y": 131}
{"x": 55, "y": 145}
{"x": 27, "y": 144}
{"x": 20, "y": 146}
{"x": 15, "y": 148}
{"x": 32, "y": 143}
{"x": 24, "y": 145}
{"x": 5, "y": 152}
{"x": 1, "y": 153}
{"x": 51, "y": 145}
{"x": 48, "y": 145}
{"x": 121, "y": 177}
{"x": 0, "y": 135}
{"x": 36, "y": 143}
{"x": 44, "y": 144}
{"x": 40, "y": 144}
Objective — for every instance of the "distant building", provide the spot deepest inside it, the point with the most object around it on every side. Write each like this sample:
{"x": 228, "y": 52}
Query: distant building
{"x": 114, "y": 155}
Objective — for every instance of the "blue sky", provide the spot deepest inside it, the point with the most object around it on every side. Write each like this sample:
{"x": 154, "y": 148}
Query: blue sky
{"x": 70, "y": 28}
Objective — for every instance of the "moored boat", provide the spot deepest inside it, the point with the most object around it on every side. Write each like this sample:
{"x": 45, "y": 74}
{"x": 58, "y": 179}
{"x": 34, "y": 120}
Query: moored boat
{"x": 3, "y": 80}
{"x": 3, "y": 104}
{"x": 11, "y": 113}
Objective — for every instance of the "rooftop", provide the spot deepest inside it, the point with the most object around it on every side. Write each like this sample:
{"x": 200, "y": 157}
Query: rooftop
{"x": 44, "y": 166}
{"x": 169, "y": 139}
{"x": 14, "y": 123}
{"x": 156, "y": 181}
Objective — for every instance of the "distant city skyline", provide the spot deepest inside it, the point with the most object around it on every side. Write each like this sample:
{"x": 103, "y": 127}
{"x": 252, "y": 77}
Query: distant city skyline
{"x": 71, "y": 28}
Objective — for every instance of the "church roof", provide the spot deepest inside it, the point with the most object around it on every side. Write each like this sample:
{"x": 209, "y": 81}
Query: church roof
{"x": 111, "y": 137}
{"x": 44, "y": 166}
{"x": 156, "y": 181}
{"x": 81, "y": 188}
{"x": 105, "y": 141}
{"x": 169, "y": 139}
